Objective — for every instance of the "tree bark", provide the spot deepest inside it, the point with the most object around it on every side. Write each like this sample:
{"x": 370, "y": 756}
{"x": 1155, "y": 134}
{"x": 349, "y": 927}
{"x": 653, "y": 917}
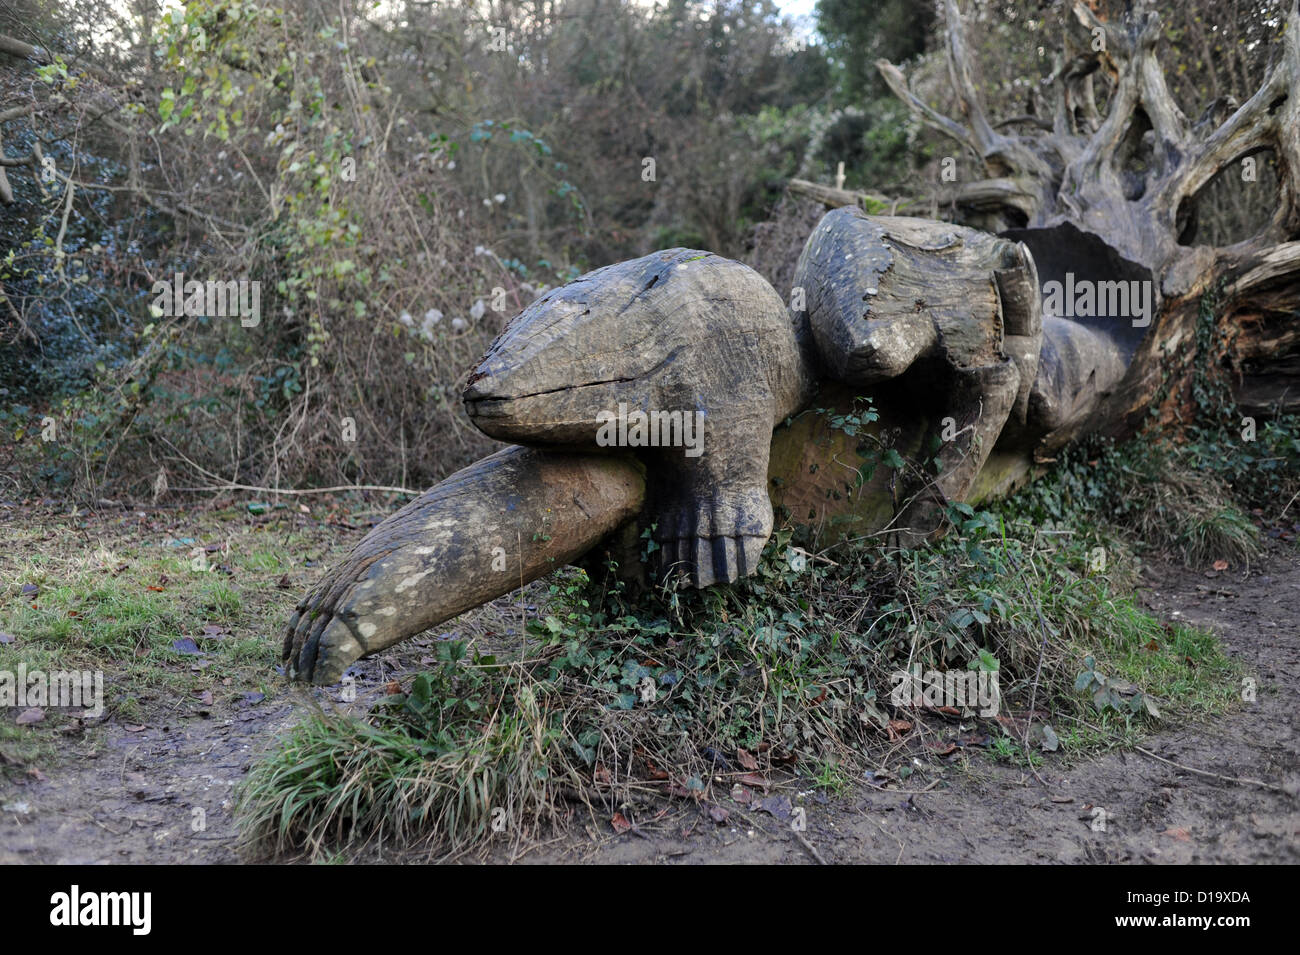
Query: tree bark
{"x": 1074, "y": 195}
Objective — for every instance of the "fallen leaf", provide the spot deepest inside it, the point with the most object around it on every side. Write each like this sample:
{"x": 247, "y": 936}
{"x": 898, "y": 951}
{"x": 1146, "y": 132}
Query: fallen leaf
{"x": 746, "y": 760}
{"x": 718, "y": 814}
{"x": 205, "y": 697}
{"x": 778, "y": 806}
{"x": 941, "y": 749}
{"x": 1182, "y": 835}
{"x": 1050, "y": 741}
{"x": 653, "y": 770}
{"x": 754, "y": 780}
{"x": 135, "y": 727}
{"x": 1062, "y": 799}
{"x": 29, "y": 590}
{"x": 7, "y": 638}
{"x": 741, "y": 795}
{"x": 897, "y": 728}
{"x": 1220, "y": 565}
{"x": 392, "y": 688}
{"x": 214, "y": 630}
{"x": 254, "y": 697}
{"x": 620, "y": 823}
{"x": 29, "y": 716}
{"x": 186, "y": 645}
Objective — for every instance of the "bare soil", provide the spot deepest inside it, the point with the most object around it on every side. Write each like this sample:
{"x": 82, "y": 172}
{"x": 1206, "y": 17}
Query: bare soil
{"x": 162, "y": 793}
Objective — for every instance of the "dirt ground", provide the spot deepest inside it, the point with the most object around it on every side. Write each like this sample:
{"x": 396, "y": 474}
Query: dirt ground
{"x": 162, "y": 793}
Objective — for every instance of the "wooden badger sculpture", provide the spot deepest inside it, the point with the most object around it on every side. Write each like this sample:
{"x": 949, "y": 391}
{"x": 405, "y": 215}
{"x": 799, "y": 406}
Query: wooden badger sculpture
{"x": 648, "y": 392}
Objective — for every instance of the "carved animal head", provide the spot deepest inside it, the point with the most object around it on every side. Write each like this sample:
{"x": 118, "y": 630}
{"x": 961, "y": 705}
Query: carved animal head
{"x": 679, "y": 330}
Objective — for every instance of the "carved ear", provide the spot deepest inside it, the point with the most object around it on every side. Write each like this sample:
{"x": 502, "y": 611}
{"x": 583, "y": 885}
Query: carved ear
{"x": 862, "y": 334}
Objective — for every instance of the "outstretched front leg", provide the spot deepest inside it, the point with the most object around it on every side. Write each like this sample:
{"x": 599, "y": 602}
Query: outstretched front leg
{"x": 681, "y": 357}
{"x": 496, "y": 525}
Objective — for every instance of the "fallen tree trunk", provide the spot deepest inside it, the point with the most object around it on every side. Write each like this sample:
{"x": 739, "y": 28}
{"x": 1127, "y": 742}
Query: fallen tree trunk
{"x": 1109, "y": 193}
{"x": 987, "y": 195}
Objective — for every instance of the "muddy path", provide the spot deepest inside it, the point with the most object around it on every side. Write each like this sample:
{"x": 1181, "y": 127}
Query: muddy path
{"x": 163, "y": 793}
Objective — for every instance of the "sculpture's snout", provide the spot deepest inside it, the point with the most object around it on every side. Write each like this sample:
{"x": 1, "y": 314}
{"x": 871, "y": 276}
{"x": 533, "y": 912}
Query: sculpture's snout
{"x": 482, "y": 385}
{"x": 489, "y": 405}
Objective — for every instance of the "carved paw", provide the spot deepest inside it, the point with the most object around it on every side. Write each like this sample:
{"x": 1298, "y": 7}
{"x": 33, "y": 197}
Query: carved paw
{"x": 320, "y": 642}
{"x": 715, "y": 538}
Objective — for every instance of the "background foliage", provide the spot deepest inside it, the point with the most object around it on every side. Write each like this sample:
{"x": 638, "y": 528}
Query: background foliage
{"x": 402, "y": 178}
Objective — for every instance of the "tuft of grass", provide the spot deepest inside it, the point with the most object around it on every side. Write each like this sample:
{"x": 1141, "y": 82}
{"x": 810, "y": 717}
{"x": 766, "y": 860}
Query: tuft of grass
{"x": 1153, "y": 492}
{"x": 1184, "y": 666}
{"x": 463, "y": 755}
